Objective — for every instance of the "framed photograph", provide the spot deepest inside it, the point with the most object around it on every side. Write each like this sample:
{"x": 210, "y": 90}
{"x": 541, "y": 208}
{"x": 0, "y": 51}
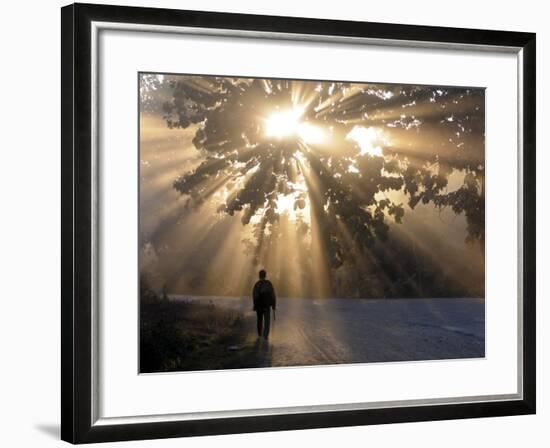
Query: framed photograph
{"x": 275, "y": 223}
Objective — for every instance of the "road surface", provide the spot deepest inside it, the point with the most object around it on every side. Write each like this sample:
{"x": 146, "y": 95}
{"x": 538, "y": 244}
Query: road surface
{"x": 333, "y": 331}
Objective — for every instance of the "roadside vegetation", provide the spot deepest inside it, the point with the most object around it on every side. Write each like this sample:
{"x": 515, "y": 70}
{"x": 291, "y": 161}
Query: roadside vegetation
{"x": 183, "y": 335}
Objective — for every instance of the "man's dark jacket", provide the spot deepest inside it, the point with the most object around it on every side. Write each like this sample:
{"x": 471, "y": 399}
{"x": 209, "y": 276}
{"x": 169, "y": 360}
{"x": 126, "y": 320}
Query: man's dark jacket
{"x": 263, "y": 295}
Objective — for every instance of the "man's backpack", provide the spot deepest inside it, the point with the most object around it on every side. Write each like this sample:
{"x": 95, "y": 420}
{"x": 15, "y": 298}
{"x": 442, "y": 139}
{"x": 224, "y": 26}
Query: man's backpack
{"x": 265, "y": 293}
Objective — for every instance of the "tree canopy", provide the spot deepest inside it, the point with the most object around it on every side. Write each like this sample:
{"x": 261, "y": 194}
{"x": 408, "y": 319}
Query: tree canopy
{"x": 336, "y": 161}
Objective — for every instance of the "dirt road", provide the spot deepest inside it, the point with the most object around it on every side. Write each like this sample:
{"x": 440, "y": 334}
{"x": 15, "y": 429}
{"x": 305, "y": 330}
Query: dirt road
{"x": 332, "y": 331}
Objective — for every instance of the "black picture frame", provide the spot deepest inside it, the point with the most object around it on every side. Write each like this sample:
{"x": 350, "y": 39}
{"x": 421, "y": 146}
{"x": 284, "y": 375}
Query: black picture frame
{"x": 77, "y": 424}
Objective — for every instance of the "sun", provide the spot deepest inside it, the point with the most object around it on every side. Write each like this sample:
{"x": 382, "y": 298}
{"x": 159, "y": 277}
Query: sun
{"x": 284, "y": 123}
{"x": 288, "y": 123}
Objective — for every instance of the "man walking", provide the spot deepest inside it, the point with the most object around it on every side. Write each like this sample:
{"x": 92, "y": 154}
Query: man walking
{"x": 264, "y": 298}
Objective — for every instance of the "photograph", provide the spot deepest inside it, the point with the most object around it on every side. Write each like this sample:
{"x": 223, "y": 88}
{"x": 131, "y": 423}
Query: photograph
{"x": 334, "y": 208}
{"x": 289, "y": 222}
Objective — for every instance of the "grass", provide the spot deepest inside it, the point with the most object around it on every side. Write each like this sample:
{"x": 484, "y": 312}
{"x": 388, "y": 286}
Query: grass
{"x": 185, "y": 335}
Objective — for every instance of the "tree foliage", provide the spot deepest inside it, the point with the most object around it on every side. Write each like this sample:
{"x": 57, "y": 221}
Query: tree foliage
{"x": 422, "y": 135}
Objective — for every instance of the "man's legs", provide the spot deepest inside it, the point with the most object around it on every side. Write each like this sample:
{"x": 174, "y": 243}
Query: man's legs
{"x": 267, "y": 321}
{"x": 259, "y": 316}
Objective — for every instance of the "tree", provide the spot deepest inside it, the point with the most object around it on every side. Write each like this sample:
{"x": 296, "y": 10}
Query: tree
{"x": 328, "y": 154}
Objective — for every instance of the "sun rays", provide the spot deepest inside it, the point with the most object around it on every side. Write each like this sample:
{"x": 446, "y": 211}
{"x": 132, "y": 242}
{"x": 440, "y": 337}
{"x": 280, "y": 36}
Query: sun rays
{"x": 303, "y": 178}
{"x": 370, "y": 140}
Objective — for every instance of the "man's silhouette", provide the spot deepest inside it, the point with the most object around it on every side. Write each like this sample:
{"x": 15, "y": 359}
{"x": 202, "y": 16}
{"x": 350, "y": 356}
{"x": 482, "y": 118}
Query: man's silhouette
{"x": 264, "y": 298}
